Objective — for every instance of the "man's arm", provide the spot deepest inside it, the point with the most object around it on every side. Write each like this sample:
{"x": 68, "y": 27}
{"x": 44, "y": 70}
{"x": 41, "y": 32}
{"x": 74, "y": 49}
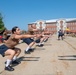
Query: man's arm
{"x": 24, "y": 36}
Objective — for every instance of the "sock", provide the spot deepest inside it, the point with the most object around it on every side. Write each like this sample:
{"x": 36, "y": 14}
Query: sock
{"x": 27, "y": 48}
{"x": 8, "y": 62}
{"x": 45, "y": 40}
{"x": 14, "y": 58}
{"x": 39, "y": 43}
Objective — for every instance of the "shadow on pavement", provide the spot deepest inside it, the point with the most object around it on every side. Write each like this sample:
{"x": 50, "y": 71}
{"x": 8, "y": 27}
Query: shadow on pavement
{"x": 28, "y": 58}
{"x": 68, "y": 57}
{"x": 40, "y": 49}
{"x": 22, "y": 58}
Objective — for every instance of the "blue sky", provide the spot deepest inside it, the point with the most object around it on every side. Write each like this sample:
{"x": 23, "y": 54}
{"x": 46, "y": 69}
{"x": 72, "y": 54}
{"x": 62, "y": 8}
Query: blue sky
{"x": 22, "y": 12}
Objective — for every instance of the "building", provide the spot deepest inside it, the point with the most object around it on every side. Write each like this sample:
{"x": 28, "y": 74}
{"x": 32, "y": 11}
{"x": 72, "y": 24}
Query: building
{"x": 55, "y": 25}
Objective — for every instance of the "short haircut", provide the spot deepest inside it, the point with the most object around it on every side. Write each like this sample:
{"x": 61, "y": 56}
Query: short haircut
{"x": 14, "y": 29}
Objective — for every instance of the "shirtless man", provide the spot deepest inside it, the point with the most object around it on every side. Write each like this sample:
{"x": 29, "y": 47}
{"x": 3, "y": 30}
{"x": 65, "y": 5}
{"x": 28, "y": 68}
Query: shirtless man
{"x": 30, "y": 42}
{"x": 9, "y": 47}
{"x": 39, "y": 32}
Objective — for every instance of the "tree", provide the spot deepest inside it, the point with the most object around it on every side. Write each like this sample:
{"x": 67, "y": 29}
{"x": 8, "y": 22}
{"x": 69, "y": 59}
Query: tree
{"x": 1, "y": 24}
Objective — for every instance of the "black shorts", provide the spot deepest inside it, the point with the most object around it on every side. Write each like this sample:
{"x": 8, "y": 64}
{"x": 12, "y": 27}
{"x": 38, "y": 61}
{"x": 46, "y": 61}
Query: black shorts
{"x": 3, "y": 49}
{"x": 27, "y": 40}
{"x": 37, "y": 41}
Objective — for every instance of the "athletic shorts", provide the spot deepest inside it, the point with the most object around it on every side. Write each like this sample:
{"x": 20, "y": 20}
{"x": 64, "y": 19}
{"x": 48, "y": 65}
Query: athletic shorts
{"x": 27, "y": 40}
{"x": 31, "y": 39}
{"x": 37, "y": 41}
{"x": 3, "y": 49}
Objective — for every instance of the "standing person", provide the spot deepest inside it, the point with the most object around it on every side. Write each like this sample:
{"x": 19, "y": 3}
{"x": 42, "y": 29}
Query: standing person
{"x": 60, "y": 34}
{"x": 67, "y": 31}
{"x": 9, "y": 47}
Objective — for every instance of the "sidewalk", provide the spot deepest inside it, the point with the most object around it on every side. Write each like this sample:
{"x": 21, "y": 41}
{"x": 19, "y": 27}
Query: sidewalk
{"x": 54, "y": 58}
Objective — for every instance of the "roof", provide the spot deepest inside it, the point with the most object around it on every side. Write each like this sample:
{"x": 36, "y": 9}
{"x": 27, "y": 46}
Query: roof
{"x": 71, "y": 19}
{"x": 54, "y": 20}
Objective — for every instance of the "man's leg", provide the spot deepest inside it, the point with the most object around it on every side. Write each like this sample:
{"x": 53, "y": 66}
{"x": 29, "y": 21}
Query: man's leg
{"x": 30, "y": 43}
{"x": 39, "y": 42}
{"x": 11, "y": 54}
{"x": 58, "y": 37}
{"x": 18, "y": 51}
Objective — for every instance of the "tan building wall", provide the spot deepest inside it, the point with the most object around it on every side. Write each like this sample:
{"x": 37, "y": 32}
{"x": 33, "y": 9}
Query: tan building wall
{"x": 52, "y": 26}
{"x": 72, "y": 26}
